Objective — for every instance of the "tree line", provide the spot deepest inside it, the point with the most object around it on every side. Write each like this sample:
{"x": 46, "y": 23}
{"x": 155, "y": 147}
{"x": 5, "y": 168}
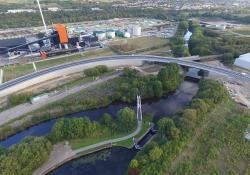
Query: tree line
{"x": 25, "y": 157}
{"x": 83, "y": 127}
{"x": 210, "y": 42}
{"x": 177, "y": 42}
{"x": 174, "y": 133}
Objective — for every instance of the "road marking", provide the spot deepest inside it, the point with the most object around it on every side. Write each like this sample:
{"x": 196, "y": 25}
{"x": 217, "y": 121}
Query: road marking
{"x": 34, "y": 66}
{"x": 1, "y": 76}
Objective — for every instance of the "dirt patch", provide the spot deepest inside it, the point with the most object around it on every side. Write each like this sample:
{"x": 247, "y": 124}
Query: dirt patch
{"x": 242, "y": 166}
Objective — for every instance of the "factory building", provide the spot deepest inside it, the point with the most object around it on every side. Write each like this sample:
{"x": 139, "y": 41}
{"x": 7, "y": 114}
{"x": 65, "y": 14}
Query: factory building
{"x": 243, "y": 61}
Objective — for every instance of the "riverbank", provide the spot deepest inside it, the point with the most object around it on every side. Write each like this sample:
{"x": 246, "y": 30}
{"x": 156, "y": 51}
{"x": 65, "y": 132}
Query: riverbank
{"x": 103, "y": 94}
{"x": 63, "y": 153}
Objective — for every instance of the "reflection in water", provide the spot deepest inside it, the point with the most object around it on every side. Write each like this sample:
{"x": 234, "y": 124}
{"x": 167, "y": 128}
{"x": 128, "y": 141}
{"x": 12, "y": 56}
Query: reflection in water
{"x": 114, "y": 162}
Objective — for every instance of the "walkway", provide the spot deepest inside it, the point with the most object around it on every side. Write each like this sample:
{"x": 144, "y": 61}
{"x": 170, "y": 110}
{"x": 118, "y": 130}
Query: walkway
{"x": 63, "y": 153}
{"x": 23, "y": 109}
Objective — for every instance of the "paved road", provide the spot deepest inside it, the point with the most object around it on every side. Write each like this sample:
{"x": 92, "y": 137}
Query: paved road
{"x": 179, "y": 61}
{"x": 26, "y": 108}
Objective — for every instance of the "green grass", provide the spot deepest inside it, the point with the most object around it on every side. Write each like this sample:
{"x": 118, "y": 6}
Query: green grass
{"x": 80, "y": 143}
{"x": 129, "y": 142}
{"x": 14, "y": 71}
{"x": 141, "y": 45}
{"x": 89, "y": 54}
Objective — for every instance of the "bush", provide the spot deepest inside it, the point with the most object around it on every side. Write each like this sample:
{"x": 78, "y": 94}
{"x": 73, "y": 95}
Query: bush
{"x": 96, "y": 71}
{"x": 16, "y": 99}
{"x": 25, "y": 157}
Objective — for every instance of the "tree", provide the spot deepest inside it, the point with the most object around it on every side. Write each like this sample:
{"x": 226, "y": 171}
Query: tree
{"x": 25, "y": 157}
{"x": 2, "y": 150}
{"x": 158, "y": 91}
{"x": 107, "y": 120}
{"x": 190, "y": 114}
{"x": 169, "y": 77}
{"x": 155, "y": 153}
{"x": 175, "y": 133}
{"x": 200, "y": 105}
{"x": 133, "y": 167}
{"x": 126, "y": 119}
{"x": 165, "y": 125}
{"x": 134, "y": 163}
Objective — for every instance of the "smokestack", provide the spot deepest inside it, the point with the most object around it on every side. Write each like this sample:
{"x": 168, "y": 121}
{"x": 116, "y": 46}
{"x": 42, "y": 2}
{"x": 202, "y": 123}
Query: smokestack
{"x": 44, "y": 24}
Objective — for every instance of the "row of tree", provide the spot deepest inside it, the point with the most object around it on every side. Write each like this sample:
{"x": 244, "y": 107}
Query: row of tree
{"x": 174, "y": 133}
{"x": 177, "y": 43}
{"x": 80, "y": 128}
{"x": 96, "y": 71}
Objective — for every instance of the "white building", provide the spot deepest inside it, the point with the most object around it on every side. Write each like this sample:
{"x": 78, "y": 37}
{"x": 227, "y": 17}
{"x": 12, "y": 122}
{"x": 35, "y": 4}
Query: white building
{"x": 54, "y": 9}
{"x": 21, "y": 11}
{"x": 243, "y": 61}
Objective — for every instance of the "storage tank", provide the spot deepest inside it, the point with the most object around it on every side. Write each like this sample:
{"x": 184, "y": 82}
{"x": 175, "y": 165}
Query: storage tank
{"x": 119, "y": 33}
{"x": 110, "y": 34}
{"x": 127, "y": 35}
{"x": 101, "y": 35}
{"x": 136, "y": 30}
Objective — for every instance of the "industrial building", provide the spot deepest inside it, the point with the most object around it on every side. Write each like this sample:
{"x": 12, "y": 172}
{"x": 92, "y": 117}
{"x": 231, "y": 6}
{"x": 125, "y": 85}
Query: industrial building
{"x": 243, "y": 61}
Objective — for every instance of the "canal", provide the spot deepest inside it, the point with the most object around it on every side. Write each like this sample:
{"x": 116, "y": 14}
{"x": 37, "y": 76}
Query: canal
{"x": 113, "y": 161}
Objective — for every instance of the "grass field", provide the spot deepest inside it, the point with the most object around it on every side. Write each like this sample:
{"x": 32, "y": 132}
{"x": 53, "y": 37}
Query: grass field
{"x": 219, "y": 147}
{"x": 140, "y": 45}
{"x": 80, "y": 143}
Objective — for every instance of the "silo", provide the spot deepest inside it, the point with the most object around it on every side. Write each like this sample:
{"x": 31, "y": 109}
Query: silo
{"x": 110, "y": 33}
{"x": 119, "y": 33}
{"x": 127, "y": 35}
{"x": 136, "y": 30}
{"x": 101, "y": 35}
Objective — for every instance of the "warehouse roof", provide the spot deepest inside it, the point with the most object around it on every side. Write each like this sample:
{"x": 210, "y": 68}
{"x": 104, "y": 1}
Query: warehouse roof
{"x": 243, "y": 61}
{"x": 245, "y": 57}
{"x": 12, "y": 42}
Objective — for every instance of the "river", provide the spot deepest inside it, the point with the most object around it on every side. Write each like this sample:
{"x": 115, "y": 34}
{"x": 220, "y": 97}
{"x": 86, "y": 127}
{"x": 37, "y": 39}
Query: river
{"x": 100, "y": 163}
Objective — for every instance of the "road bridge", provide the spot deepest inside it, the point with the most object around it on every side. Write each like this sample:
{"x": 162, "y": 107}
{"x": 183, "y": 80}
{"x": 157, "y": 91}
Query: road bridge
{"x": 119, "y": 59}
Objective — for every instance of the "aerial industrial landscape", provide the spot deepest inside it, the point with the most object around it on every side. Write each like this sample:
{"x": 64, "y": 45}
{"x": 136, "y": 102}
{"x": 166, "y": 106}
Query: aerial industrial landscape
{"x": 131, "y": 87}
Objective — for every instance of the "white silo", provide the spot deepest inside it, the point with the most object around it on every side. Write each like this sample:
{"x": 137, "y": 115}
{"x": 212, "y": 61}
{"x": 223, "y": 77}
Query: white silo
{"x": 136, "y": 30}
{"x": 110, "y": 34}
{"x": 101, "y": 35}
{"x": 127, "y": 35}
